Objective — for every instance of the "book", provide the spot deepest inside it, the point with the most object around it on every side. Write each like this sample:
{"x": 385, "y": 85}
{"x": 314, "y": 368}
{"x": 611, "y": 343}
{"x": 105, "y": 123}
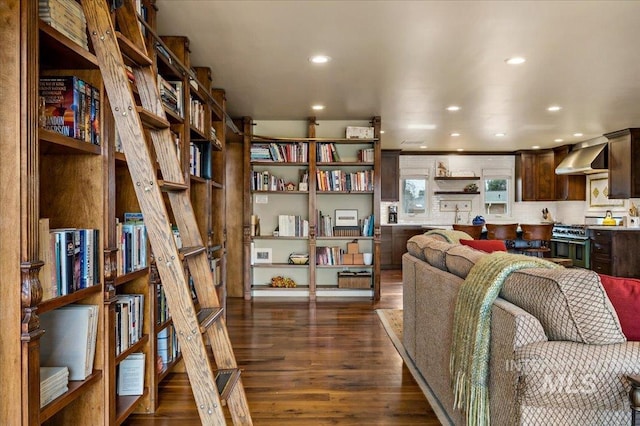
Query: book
{"x": 131, "y": 375}
{"x": 61, "y": 109}
{"x": 54, "y": 381}
{"x": 69, "y": 339}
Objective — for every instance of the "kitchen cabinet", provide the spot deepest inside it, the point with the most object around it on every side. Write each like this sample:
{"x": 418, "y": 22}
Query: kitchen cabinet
{"x": 537, "y": 180}
{"x": 393, "y": 244}
{"x": 390, "y": 175}
{"x": 624, "y": 160}
{"x": 612, "y": 252}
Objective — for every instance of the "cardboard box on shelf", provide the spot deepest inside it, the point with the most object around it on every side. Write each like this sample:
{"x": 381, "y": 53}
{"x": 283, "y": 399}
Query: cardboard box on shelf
{"x": 352, "y": 248}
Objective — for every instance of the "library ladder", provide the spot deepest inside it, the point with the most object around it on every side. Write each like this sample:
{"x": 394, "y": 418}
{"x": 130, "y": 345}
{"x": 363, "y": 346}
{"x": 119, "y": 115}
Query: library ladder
{"x": 211, "y": 387}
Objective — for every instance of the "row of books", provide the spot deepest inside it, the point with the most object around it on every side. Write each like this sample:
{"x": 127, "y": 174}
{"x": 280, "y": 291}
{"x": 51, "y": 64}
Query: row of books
{"x": 167, "y": 345}
{"x": 327, "y": 153}
{"x": 70, "y": 106}
{"x": 132, "y": 243}
{"x": 67, "y": 17}
{"x": 171, "y": 95}
{"x": 54, "y": 381}
{"x": 70, "y": 339}
{"x": 129, "y": 315}
{"x": 325, "y": 224}
{"x": 366, "y": 155}
{"x": 329, "y": 255}
{"x": 341, "y": 180}
{"x": 200, "y": 159}
{"x": 292, "y": 226}
{"x": 71, "y": 259}
{"x": 280, "y": 152}
{"x": 196, "y": 115}
{"x": 367, "y": 226}
{"x": 162, "y": 310}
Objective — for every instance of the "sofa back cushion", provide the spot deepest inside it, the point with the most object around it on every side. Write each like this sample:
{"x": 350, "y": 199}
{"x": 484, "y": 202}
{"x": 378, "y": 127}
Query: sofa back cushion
{"x": 460, "y": 259}
{"x": 435, "y": 252}
{"x": 624, "y": 294}
{"x": 570, "y": 303}
{"x": 416, "y": 244}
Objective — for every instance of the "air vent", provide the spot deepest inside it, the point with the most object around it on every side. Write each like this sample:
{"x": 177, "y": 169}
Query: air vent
{"x": 413, "y": 143}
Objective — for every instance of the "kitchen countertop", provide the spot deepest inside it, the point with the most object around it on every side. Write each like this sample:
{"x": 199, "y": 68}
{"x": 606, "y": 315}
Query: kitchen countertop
{"x": 612, "y": 228}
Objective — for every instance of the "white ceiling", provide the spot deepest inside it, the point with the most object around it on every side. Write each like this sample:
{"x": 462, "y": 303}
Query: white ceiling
{"x": 408, "y": 60}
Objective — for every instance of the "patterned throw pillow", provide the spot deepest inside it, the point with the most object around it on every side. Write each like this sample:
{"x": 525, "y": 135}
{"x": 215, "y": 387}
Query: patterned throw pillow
{"x": 624, "y": 294}
{"x": 570, "y": 303}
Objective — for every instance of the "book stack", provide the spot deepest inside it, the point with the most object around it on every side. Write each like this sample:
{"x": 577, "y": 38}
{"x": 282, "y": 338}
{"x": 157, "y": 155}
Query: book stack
{"x": 71, "y": 259}
{"x": 167, "y": 345}
{"x": 129, "y": 312}
{"x": 171, "y": 95}
{"x": 70, "y": 106}
{"x": 54, "y": 381}
{"x": 132, "y": 246}
{"x": 292, "y": 226}
{"x": 67, "y": 17}
{"x": 70, "y": 339}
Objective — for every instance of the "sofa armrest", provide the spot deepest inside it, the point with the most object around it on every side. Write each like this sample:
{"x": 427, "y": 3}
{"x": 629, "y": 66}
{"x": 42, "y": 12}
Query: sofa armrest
{"x": 577, "y": 375}
{"x": 634, "y": 398}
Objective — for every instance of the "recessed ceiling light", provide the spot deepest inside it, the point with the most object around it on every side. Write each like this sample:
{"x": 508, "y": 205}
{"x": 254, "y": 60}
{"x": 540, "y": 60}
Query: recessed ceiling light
{"x": 578, "y": 135}
{"x": 501, "y": 135}
{"x": 558, "y": 140}
{"x": 423, "y": 146}
{"x": 422, "y": 126}
{"x": 318, "y": 107}
{"x": 381, "y": 131}
{"x": 453, "y": 108}
{"x": 319, "y": 59}
{"x": 554, "y": 108}
{"x": 459, "y": 149}
{"x": 516, "y": 60}
{"x": 536, "y": 147}
{"x": 455, "y": 134}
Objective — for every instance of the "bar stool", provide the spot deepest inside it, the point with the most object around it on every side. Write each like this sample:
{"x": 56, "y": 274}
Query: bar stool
{"x": 474, "y": 231}
{"x": 503, "y": 231}
{"x": 538, "y": 238}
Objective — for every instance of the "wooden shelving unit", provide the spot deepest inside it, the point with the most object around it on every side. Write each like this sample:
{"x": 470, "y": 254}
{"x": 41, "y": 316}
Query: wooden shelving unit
{"x": 77, "y": 184}
{"x": 313, "y": 280}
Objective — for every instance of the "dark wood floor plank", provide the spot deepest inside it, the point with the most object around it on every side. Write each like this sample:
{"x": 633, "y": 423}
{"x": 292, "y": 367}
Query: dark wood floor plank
{"x": 323, "y": 363}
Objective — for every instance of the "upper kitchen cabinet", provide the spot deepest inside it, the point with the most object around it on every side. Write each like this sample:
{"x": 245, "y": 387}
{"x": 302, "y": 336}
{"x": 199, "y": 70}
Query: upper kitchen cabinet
{"x": 537, "y": 180}
{"x": 390, "y": 174}
{"x": 624, "y": 159}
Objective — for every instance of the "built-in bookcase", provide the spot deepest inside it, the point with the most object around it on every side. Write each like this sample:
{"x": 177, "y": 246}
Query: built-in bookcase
{"x": 295, "y": 189}
{"x": 74, "y": 176}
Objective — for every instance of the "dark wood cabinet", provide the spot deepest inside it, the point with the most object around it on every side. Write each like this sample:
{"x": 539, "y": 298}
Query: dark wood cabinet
{"x": 390, "y": 175}
{"x": 624, "y": 160}
{"x": 393, "y": 244}
{"x": 613, "y": 252}
{"x": 537, "y": 179}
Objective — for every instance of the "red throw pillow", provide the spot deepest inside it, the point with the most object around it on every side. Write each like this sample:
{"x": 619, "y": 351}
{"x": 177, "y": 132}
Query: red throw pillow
{"x": 488, "y": 246}
{"x": 624, "y": 294}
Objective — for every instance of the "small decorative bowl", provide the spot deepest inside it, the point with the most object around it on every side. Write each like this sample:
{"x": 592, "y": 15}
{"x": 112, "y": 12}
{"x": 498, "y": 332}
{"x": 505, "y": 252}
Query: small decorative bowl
{"x": 298, "y": 258}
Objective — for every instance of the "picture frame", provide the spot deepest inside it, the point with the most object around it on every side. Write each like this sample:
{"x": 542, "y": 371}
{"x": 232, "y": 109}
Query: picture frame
{"x": 346, "y": 217}
{"x": 262, "y": 255}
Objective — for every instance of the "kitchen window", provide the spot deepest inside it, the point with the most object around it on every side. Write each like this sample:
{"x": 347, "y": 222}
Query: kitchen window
{"x": 413, "y": 197}
{"x": 497, "y": 190}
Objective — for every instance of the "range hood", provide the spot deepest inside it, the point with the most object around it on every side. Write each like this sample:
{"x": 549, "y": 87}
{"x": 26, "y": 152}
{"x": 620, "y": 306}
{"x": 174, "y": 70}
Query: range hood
{"x": 586, "y": 158}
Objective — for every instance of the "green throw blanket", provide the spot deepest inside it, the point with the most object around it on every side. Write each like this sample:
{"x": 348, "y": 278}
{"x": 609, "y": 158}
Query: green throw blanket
{"x": 471, "y": 330}
{"x": 449, "y": 235}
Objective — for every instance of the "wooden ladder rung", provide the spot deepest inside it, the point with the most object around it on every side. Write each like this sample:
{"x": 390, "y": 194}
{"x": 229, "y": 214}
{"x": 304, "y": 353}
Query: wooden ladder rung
{"x": 151, "y": 120}
{"x": 208, "y": 316}
{"x": 225, "y": 382}
{"x": 167, "y": 186}
{"x": 191, "y": 251}
{"x": 130, "y": 51}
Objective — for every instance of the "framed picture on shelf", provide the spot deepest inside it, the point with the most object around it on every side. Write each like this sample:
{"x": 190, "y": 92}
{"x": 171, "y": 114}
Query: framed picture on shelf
{"x": 346, "y": 217}
{"x": 262, "y": 255}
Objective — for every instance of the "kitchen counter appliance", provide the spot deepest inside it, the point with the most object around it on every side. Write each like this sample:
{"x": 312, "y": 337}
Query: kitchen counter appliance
{"x": 571, "y": 242}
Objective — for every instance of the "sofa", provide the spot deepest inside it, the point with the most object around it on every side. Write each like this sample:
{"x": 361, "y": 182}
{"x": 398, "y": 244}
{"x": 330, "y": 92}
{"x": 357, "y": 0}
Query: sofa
{"x": 558, "y": 355}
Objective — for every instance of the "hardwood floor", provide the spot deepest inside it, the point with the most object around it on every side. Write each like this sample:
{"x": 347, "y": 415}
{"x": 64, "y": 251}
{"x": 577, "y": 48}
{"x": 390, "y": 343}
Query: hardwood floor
{"x": 322, "y": 363}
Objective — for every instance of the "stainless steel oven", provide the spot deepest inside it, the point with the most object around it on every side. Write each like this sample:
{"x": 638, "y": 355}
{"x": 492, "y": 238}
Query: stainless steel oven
{"x": 571, "y": 242}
